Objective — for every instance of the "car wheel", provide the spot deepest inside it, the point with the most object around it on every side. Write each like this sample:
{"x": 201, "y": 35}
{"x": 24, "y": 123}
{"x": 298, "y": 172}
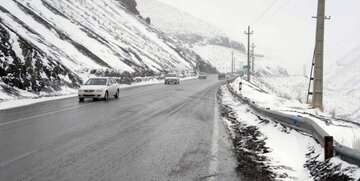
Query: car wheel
{"x": 106, "y": 98}
{"x": 117, "y": 94}
{"x": 81, "y": 99}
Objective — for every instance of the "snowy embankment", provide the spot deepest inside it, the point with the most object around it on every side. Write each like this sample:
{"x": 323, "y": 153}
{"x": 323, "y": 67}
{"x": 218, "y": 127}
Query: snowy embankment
{"x": 341, "y": 95}
{"x": 345, "y": 133}
{"x": 287, "y": 147}
{"x": 26, "y": 98}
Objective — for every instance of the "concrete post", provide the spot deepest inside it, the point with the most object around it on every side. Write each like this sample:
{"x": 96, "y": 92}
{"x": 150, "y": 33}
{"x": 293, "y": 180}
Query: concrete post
{"x": 317, "y": 101}
{"x": 248, "y": 33}
{"x": 253, "y": 57}
{"x": 329, "y": 147}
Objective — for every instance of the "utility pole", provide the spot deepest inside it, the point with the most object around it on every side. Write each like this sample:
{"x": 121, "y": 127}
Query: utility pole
{"x": 318, "y": 59}
{"x": 253, "y": 57}
{"x": 234, "y": 65}
{"x": 232, "y": 62}
{"x": 248, "y": 33}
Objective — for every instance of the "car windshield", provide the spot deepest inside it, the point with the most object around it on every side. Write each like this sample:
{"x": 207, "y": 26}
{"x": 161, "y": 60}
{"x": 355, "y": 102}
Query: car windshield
{"x": 96, "y": 82}
{"x": 171, "y": 75}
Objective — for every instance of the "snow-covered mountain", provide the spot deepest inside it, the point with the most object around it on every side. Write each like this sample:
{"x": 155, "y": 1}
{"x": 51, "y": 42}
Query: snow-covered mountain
{"x": 342, "y": 85}
{"x": 46, "y": 44}
{"x": 173, "y": 21}
{"x": 203, "y": 38}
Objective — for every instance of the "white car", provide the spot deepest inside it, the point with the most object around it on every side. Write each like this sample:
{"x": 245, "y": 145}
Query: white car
{"x": 172, "y": 79}
{"x": 202, "y": 76}
{"x": 99, "y": 88}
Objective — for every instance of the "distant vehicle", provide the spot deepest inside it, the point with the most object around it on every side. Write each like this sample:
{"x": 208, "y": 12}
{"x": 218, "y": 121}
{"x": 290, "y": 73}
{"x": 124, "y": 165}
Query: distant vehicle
{"x": 172, "y": 79}
{"x": 123, "y": 80}
{"x": 221, "y": 76}
{"x": 99, "y": 88}
{"x": 202, "y": 76}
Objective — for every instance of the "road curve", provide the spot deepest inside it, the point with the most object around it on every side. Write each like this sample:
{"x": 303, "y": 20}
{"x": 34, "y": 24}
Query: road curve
{"x": 157, "y": 132}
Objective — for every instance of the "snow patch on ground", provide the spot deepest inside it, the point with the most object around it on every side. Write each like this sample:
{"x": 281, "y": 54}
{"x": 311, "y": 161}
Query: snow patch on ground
{"x": 264, "y": 97}
{"x": 9, "y": 104}
{"x": 341, "y": 98}
{"x": 344, "y": 132}
{"x": 347, "y": 134}
{"x": 288, "y": 149}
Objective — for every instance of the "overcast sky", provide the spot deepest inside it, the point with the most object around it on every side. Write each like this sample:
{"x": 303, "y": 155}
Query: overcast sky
{"x": 284, "y": 29}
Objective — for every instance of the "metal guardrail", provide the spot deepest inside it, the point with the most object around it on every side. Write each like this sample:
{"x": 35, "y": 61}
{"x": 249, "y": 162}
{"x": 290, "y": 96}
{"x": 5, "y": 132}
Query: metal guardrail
{"x": 303, "y": 124}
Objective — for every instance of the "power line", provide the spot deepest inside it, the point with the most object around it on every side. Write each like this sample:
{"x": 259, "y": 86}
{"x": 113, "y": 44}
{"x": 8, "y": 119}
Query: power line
{"x": 248, "y": 33}
{"x": 275, "y": 12}
{"x": 349, "y": 53}
{"x": 265, "y": 11}
{"x": 279, "y": 8}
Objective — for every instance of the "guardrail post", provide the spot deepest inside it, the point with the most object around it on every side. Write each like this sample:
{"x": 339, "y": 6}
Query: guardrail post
{"x": 329, "y": 147}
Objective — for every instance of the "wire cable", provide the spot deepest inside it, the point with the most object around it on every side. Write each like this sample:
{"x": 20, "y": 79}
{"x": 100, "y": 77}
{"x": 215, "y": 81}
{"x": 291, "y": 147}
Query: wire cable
{"x": 262, "y": 15}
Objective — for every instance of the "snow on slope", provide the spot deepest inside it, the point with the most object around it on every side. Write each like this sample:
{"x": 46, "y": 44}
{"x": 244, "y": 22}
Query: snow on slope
{"x": 68, "y": 38}
{"x": 205, "y": 39}
{"x": 220, "y": 56}
{"x": 89, "y": 34}
{"x": 25, "y": 67}
{"x": 173, "y": 21}
{"x": 342, "y": 87}
{"x": 290, "y": 141}
{"x": 345, "y": 133}
{"x": 287, "y": 148}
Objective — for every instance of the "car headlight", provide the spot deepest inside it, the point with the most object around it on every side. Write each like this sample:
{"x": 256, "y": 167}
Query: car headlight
{"x": 99, "y": 90}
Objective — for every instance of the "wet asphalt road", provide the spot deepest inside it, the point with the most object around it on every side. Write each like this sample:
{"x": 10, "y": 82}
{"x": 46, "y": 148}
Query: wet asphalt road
{"x": 156, "y": 132}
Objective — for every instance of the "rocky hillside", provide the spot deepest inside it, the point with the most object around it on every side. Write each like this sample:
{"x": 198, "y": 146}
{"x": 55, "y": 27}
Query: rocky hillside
{"x": 26, "y": 67}
{"x": 130, "y": 5}
{"x": 49, "y": 44}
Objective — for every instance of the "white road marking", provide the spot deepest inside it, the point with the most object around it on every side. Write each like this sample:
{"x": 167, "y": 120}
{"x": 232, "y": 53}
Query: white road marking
{"x": 5, "y": 163}
{"x": 38, "y": 115}
{"x": 214, "y": 148}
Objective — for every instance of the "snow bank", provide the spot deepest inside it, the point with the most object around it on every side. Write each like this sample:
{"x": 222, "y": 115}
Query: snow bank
{"x": 264, "y": 97}
{"x": 344, "y": 132}
{"x": 284, "y": 140}
{"x": 288, "y": 148}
